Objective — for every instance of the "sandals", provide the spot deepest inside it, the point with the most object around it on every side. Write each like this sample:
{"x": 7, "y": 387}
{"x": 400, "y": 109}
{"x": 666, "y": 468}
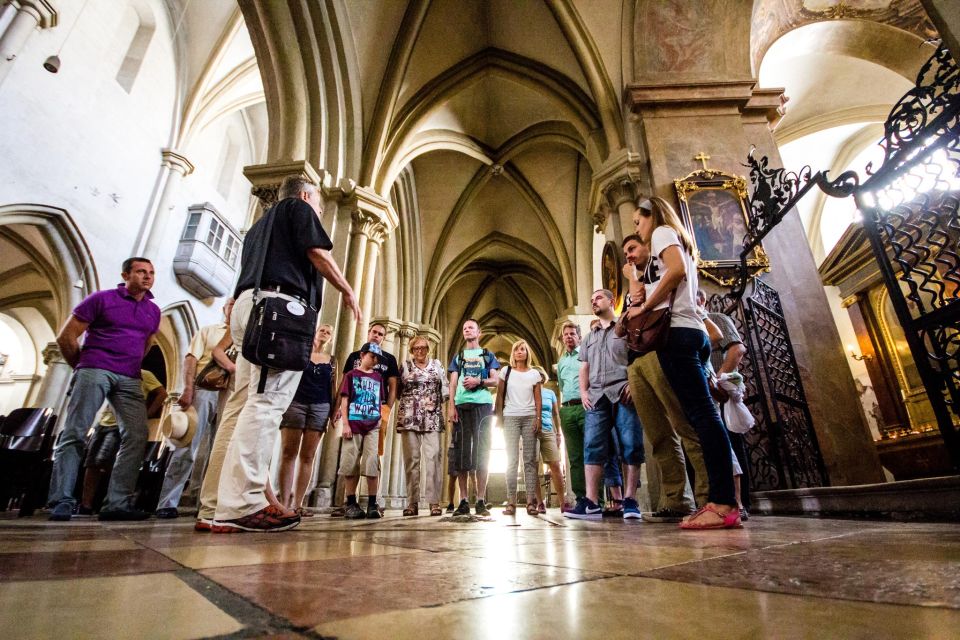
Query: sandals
{"x": 304, "y": 513}
{"x": 730, "y": 520}
{"x": 531, "y": 509}
{"x": 510, "y": 509}
{"x": 411, "y": 510}
{"x": 435, "y": 510}
{"x": 541, "y": 508}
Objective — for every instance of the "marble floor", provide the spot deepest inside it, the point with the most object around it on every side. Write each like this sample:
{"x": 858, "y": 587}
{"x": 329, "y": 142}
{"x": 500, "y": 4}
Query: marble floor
{"x": 512, "y": 577}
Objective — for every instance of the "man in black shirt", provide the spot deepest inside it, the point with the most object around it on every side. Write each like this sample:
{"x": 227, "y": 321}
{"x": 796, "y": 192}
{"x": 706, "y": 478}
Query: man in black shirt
{"x": 297, "y": 259}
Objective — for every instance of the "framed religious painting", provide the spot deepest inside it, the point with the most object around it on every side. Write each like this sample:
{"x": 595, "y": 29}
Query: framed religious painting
{"x": 611, "y": 273}
{"x": 713, "y": 206}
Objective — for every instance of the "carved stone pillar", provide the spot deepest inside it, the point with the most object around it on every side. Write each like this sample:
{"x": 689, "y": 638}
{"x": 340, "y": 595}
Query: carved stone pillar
{"x": 30, "y": 14}
{"x": 615, "y": 189}
{"x": 266, "y": 180}
{"x": 176, "y": 167}
{"x": 372, "y": 220}
{"x": 53, "y": 388}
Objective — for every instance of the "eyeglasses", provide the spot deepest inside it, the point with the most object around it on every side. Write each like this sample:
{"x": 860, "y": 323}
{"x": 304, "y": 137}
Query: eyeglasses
{"x": 421, "y": 348}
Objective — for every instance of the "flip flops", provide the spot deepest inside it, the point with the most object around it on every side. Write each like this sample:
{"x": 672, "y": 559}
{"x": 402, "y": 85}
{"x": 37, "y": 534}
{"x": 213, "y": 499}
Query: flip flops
{"x": 730, "y": 520}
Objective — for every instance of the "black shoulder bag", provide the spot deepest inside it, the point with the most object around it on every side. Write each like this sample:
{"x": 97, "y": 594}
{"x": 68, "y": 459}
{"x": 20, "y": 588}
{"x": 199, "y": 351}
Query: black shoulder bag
{"x": 279, "y": 333}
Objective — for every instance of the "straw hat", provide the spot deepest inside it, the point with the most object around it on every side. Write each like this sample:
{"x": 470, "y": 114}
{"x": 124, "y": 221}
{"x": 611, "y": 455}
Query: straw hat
{"x": 179, "y": 426}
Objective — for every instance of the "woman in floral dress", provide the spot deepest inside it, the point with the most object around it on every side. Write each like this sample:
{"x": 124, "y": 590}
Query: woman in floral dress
{"x": 420, "y": 422}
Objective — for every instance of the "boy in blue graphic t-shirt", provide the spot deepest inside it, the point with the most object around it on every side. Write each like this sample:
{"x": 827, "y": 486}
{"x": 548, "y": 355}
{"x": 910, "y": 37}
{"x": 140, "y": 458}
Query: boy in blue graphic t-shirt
{"x": 361, "y": 395}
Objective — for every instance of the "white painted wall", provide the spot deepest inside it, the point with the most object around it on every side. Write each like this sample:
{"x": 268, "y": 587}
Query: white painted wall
{"x": 78, "y": 140}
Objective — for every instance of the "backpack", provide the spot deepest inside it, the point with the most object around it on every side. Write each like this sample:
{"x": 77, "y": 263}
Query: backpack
{"x": 486, "y": 355}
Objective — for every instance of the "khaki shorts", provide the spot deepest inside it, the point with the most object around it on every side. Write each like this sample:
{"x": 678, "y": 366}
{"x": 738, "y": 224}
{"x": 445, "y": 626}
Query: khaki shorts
{"x": 547, "y": 445}
{"x": 359, "y": 455}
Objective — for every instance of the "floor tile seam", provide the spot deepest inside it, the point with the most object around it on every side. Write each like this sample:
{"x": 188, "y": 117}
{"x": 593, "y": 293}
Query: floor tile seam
{"x": 251, "y": 623}
{"x": 90, "y": 577}
{"x": 596, "y": 578}
{"x": 818, "y": 596}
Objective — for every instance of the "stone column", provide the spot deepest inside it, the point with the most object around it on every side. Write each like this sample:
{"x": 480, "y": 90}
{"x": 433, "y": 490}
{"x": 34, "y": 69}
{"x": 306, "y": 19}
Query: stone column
{"x": 175, "y": 167}
{"x": 372, "y": 220}
{"x": 30, "y": 14}
{"x": 375, "y": 233}
{"x": 53, "y": 388}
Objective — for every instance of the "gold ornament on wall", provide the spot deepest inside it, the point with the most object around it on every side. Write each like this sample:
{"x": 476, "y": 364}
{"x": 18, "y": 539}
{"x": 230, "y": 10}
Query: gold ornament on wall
{"x": 713, "y": 207}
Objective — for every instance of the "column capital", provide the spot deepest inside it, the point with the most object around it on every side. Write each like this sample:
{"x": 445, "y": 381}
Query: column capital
{"x": 369, "y": 225}
{"x": 43, "y": 10}
{"x": 617, "y": 182}
{"x": 266, "y": 179}
{"x": 392, "y": 325}
{"x": 364, "y": 200}
{"x": 176, "y": 161}
{"x": 51, "y": 354}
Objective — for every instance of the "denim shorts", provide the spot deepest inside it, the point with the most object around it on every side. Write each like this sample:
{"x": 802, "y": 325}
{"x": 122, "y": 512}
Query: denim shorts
{"x": 604, "y": 417}
{"x": 306, "y": 417}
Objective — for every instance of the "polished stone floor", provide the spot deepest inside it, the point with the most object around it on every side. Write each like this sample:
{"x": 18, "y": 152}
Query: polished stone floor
{"x": 511, "y": 577}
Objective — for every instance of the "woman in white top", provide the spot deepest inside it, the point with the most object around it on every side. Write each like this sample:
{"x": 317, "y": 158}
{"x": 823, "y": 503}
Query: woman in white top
{"x": 672, "y": 271}
{"x": 518, "y": 409}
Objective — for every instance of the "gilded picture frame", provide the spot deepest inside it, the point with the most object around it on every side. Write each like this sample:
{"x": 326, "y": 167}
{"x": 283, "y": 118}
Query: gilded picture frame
{"x": 611, "y": 273}
{"x": 713, "y": 207}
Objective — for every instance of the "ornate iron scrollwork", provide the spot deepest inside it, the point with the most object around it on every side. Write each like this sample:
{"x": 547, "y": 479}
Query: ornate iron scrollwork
{"x": 910, "y": 215}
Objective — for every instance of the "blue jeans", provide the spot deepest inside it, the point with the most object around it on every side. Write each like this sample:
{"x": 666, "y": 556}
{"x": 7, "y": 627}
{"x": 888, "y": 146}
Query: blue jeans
{"x": 604, "y": 418}
{"x": 612, "y": 476}
{"x": 683, "y": 360}
{"x": 88, "y": 390}
{"x": 180, "y": 466}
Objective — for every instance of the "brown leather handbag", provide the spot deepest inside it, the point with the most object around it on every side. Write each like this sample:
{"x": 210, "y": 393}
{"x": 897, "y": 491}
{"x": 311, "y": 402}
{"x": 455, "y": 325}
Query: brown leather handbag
{"x": 647, "y": 331}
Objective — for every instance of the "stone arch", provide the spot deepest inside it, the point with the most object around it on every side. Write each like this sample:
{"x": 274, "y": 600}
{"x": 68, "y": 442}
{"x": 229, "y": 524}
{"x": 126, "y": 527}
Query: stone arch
{"x": 530, "y": 261}
{"x": 178, "y": 324}
{"x": 63, "y": 258}
{"x": 576, "y": 104}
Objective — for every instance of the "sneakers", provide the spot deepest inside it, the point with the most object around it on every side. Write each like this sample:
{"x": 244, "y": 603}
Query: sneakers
{"x": 450, "y": 508}
{"x": 62, "y": 512}
{"x": 203, "y": 525}
{"x": 167, "y": 513}
{"x": 268, "y": 519}
{"x": 631, "y": 510}
{"x": 354, "y": 512}
{"x": 666, "y": 515}
{"x": 463, "y": 509}
{"x": 122, "y": 515}
{"x": 744, "y": 515}
{"x": 373, "y": 513}
{"x": 481, "y": 508}
{"x": 586, "y": 509}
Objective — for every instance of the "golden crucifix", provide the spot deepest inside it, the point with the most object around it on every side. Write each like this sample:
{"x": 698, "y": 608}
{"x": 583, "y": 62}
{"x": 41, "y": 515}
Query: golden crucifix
{"x": 702, "y": 157}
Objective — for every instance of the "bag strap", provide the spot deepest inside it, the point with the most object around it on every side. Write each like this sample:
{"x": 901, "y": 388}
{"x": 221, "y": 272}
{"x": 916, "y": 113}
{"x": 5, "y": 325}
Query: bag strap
{"x": 262, "y": 257}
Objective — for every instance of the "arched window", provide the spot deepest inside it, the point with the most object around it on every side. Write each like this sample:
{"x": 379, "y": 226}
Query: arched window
{"x": 136, "y": 32}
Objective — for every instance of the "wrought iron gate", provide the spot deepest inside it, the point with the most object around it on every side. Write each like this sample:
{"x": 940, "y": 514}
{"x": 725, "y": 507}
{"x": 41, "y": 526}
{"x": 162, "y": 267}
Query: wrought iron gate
{"x": 782, "y": 447}
{"x": 909, "y": 207}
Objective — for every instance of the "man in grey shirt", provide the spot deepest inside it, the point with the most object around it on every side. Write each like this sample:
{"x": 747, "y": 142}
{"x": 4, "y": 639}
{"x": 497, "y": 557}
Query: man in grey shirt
{"x": 606, "y": 397}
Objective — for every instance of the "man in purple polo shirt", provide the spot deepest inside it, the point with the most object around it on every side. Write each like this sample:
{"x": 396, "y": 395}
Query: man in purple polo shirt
{"x": 119, "y": 325}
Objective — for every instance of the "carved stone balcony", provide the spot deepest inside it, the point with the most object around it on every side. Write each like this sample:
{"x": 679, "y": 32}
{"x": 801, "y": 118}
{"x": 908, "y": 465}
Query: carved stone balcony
{"x": 206, "y": 260}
